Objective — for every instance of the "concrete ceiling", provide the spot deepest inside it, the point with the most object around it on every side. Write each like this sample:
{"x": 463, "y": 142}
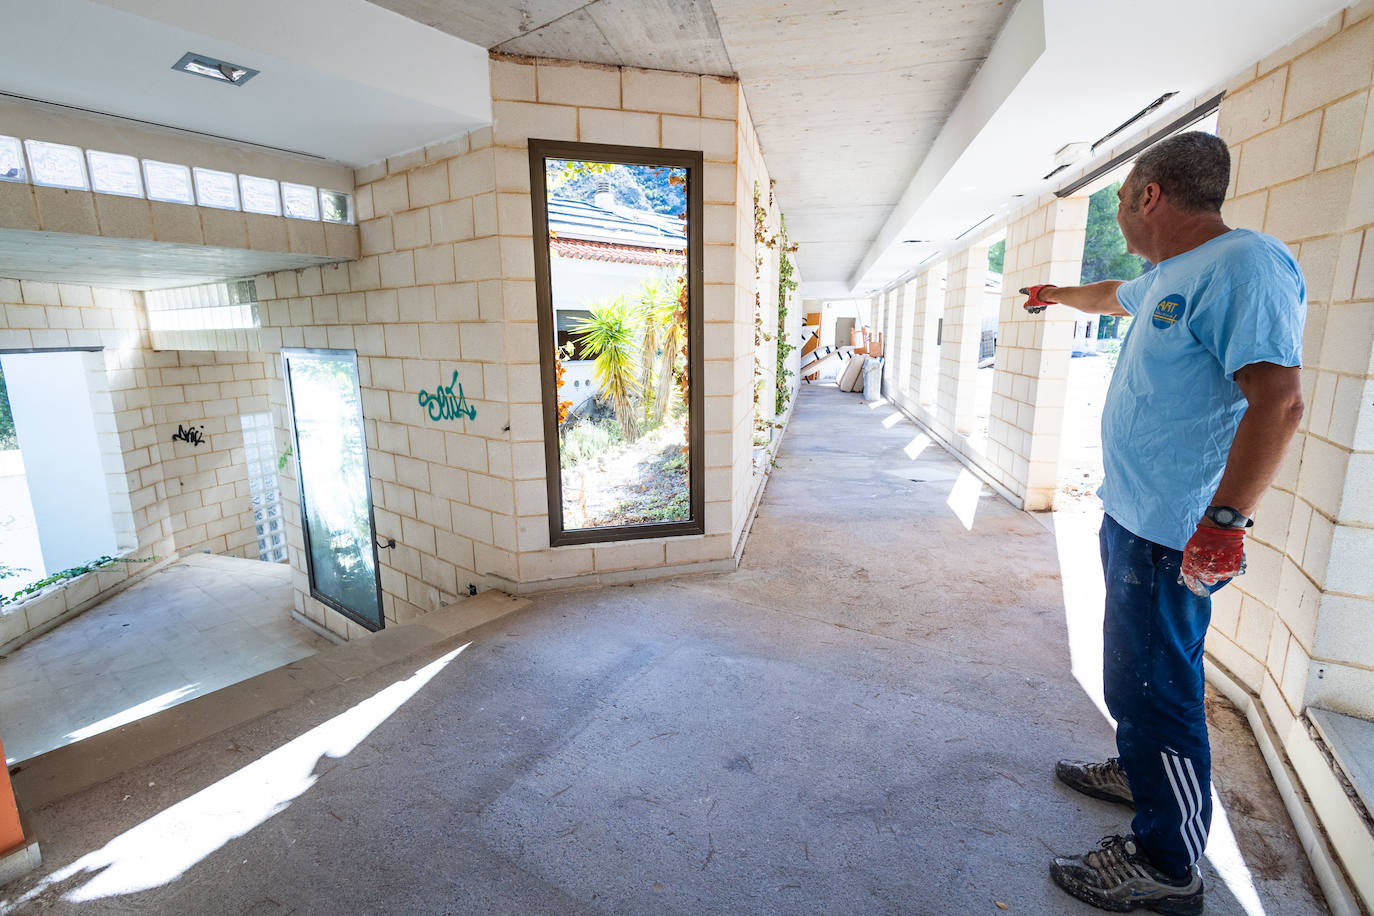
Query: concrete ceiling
{"x": 894, "y": 126}
{"x": 882, "y": 121}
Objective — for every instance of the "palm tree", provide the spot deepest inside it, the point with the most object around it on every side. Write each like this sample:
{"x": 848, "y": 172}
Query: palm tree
{"x": 609, "y": 336}
{"x": 658, "y": 308}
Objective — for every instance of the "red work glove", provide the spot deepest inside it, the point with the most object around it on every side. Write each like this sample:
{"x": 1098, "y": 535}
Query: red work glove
{"x": 1212, "y": 555}
{"x": 1035, "y": 304}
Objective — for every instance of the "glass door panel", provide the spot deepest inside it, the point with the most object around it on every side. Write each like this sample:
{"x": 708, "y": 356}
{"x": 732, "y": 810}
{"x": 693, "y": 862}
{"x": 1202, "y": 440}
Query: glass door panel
{"x": 335, "y": 488}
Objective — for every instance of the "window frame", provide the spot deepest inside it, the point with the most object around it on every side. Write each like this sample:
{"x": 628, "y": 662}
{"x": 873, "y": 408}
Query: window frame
{"x": 287, "y": 353}
{"x": 693, "y": 162}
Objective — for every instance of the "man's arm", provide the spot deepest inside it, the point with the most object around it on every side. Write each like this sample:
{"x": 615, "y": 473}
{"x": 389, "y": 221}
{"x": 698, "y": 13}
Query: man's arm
{"x": 1095, "y": 298}
{"x": 1276, "y": 407}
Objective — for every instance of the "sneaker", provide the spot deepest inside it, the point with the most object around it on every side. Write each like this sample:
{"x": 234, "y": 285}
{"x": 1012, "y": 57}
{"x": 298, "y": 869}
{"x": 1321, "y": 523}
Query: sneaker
{"x": 1106, "y": 781}
{"x": 1118, "y": 877}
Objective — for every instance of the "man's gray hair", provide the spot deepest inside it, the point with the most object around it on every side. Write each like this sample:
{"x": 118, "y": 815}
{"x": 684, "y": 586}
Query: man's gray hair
{"x": 1192, "y": 169}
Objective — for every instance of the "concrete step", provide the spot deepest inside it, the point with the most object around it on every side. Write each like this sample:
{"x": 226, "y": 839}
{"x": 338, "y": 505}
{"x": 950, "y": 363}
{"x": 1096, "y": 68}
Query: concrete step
{"x": 67, "y": 770}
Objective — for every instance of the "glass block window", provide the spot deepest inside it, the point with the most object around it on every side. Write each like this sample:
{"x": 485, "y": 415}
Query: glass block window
{"x": 299, "y": 201}
{"x": 216, "y": 189}
{"x": 56, "y": 165}
{"x": 260, "y": 451}
{"x": 114, "y": 173}
{"x": 227, "y": 305}
{"x": 12, "y": 166}
{"x": 168, "y": 182}
{"x": 259, "y": 195}
{"x": 336, "y": 206}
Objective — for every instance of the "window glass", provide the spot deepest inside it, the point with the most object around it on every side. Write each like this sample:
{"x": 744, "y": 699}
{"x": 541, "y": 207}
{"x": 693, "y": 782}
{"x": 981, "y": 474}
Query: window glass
{"x": 168, "y": 181}
{"x": 614, "y": 239}
{"x": 331, "y": 470}
{"x": 114, "y": 173}
{"x": 12, "y": 160}
{"x": 216, "y": 189}
{"x": 259, "y": 195}
{"x": 56, "y": 165}
{"x": 299, "y": 201}
{"x": 336, "y": 206}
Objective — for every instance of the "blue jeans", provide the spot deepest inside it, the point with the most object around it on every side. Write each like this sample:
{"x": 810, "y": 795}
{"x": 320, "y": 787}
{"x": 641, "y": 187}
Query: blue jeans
{"x": 1152, "y": 674}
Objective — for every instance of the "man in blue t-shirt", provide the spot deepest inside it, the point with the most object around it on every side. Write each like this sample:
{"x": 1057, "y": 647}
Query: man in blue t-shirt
{"x": 1203, "y": 403}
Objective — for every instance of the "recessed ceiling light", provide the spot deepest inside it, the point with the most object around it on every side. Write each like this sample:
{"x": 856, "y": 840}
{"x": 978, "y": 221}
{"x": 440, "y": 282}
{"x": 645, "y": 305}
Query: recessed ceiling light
{"x": 214, "y": 69}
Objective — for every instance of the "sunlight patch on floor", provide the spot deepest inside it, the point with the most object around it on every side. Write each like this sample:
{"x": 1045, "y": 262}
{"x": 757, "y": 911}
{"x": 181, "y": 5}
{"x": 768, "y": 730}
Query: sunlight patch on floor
{"x": 915, "y": 447}
{"x": 167, "y": 845}
{"x": 133, "y": 713}
{"x": 963, "y": 497}
{"x": 1225, "y": 855}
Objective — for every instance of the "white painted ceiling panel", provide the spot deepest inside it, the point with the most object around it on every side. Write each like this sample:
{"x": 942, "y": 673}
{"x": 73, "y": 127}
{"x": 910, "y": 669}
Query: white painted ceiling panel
{"x": 340, "y": 79}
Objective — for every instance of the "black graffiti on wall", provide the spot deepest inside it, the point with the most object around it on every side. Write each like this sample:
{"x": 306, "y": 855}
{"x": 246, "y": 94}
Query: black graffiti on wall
{"x": 194, "y": 435}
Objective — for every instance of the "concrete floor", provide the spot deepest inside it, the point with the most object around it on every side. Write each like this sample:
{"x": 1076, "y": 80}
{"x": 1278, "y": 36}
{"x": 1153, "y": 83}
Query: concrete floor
{"x": 863, "y": 719}
{"x": 189, "y": 629}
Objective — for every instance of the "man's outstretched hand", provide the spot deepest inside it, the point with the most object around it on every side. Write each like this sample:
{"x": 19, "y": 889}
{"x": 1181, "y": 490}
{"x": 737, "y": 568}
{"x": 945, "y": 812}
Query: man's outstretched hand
{"x": 1034, "y": 304}
{"x": 1212, "y": 555}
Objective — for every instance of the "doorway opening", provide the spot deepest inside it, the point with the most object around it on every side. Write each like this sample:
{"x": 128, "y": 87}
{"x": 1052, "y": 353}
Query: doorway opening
{"x": 1097, "y": 342}
{"x": 66, "y": 501}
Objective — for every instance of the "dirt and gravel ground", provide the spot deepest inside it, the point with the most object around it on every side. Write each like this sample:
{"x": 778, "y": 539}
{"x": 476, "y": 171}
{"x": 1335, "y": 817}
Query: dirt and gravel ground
{"x": 629, "y": 484}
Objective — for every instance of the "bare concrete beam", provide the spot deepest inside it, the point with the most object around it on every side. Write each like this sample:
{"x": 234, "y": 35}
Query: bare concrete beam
{"x": 484, "y": 22}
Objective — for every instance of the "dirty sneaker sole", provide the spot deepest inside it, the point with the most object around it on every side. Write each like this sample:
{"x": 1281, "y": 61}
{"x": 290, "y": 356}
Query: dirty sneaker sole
{"x": 1068, "y": 777}
{"x": 1190, "y": 905}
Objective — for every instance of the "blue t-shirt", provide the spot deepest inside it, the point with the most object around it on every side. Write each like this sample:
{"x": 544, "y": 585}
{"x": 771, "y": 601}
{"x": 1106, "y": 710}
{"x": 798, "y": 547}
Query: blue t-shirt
{"x": 1173, "y": 404}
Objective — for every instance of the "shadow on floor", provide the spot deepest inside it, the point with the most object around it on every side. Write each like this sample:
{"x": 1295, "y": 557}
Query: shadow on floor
{"x": 863, "y": 719}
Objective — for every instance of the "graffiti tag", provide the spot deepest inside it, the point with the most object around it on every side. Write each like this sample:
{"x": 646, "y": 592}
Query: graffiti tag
{"x": 193, "y": 435}
{"x": 447, "y": 402}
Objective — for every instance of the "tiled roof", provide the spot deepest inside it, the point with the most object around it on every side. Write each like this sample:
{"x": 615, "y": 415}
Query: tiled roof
{"x": 616, "y": 225}
{"x": 618, "y": 254}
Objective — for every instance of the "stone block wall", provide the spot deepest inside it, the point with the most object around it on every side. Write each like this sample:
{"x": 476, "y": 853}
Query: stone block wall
{"x": 208, "y": 502}
{"x": 445, "y": 283}
{"x": 170, "y": 497}
{"x": 1296, "y": 628}
{"x": 1294, "y": 632}
{"x": 153, "y": 225}
{"x": 1299, "y": 128}
{"x": 959, "y": 341}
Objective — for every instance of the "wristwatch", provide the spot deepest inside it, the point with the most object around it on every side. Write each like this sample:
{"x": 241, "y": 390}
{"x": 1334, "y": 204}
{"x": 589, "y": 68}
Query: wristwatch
{"x": 1226, "y": 517}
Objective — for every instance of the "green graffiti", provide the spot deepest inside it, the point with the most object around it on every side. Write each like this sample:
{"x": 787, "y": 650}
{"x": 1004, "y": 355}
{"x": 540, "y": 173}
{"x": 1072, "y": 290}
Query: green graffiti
{"x": 447, "y": 403}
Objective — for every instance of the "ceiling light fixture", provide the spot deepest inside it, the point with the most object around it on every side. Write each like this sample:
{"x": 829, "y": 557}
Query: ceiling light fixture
{"x": 214, "y": 69}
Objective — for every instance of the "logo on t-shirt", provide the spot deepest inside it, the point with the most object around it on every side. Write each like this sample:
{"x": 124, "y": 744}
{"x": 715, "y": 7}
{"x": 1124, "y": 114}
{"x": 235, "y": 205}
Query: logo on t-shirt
{"x": 1168, "y": 312}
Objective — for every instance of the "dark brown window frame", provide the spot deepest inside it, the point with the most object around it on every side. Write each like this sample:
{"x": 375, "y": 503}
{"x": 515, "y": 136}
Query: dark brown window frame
{"x": 693, "y": 162}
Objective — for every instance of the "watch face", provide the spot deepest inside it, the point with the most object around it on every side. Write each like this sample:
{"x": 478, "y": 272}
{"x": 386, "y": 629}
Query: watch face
{"x": 1225, "y": 515}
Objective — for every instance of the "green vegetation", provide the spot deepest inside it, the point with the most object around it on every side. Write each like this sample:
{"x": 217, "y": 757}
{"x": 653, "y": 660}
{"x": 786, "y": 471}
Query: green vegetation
{"x": 786, "y": 286}
{"x": 34, "y": 587}
{"x": 662, "y": 495}
{"x": 1104, "y": 250}
{"x": 1104, "y": 253}
{"x": 585, "y": 441}
{"x": 664, "y": 334}
{"x": 997, "y": 256}
{"x": 8, "y": 439}
{"x": 609, "y": 336}
{"x": 657, "y": 188}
